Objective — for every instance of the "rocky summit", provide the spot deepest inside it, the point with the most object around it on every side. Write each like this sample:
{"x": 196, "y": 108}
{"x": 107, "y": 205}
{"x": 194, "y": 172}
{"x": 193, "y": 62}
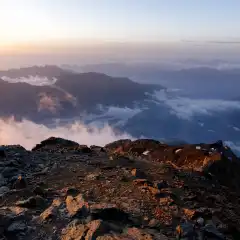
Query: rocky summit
{"x": 128, "y": 190}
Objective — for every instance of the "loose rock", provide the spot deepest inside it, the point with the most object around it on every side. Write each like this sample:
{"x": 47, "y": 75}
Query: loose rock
{"x": 32, "y": 202}
{"x": 77, "y": 205}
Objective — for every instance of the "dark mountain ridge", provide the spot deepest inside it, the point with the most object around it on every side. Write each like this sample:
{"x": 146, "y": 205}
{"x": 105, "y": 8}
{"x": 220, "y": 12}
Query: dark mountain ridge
{"x": 72, "y": 93}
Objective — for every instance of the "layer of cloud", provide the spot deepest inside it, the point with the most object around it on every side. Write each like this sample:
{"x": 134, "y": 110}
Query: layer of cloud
{"x": 28, "y": 134}
{"x": 234, "y": 146}
{"x": 33, "y": 80}
{"x": 120, "y": 115}
{"x": 186, "y": 108}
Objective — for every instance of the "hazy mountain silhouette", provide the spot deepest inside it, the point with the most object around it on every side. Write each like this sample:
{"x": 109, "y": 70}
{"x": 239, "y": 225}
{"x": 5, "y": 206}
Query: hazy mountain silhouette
{"x": 197, "y": 81}
{"x": 72, "y": 93}
{"x": 139, "y": 109}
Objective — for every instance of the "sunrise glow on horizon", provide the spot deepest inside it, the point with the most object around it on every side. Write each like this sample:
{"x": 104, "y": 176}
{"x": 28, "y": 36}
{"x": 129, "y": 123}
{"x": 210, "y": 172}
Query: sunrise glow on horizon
{"x": 44, "y": 22}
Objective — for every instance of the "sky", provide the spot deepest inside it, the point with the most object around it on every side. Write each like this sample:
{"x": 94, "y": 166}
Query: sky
{"x": 71, "y": 21}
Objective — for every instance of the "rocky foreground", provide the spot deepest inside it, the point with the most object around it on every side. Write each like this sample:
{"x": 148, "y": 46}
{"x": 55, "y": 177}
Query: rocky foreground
{"x": 129, "y": 190}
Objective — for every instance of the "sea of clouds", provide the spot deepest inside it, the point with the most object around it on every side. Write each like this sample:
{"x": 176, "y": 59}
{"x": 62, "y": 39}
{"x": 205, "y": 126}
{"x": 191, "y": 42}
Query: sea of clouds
{"x": 28, "y": 134}
{"x": 186, "y": 108}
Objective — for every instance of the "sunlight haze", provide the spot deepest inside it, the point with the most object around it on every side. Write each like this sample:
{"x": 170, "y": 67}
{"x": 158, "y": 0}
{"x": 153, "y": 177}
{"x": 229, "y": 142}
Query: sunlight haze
{"x": 27, "y": 21}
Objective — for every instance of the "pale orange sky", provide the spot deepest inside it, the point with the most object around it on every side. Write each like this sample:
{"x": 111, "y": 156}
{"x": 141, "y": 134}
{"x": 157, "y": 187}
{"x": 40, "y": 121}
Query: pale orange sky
{"x": 31, "y": 21}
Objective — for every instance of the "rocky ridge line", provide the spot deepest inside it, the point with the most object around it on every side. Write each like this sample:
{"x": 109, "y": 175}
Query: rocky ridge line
{"x": 134, "y": 190}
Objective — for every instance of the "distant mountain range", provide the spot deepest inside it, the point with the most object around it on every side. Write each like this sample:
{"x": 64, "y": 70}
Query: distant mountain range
{"x": 71, "y": 94}
{"x": 198, "y": 81}
{"x": 49, "y": 93}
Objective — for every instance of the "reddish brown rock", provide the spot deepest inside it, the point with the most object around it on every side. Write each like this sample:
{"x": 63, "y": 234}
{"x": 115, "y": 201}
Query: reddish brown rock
{"x": 95, "y": 228}
{"x": 77, "y": 205}
{"x": 74, "y": 231}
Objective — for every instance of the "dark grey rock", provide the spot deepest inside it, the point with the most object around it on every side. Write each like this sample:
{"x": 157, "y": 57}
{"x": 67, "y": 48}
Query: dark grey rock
{"x": 2, "y": 152}
{"x": 211, "y": 231}
{"x": 9, "y": 172}
{"x": 77, "y": 206}
{"x": 32, "y": 202}
{"x": 160, "y": 185}
{"x": 4, "y": 190}
{"x": 16, "y": 227}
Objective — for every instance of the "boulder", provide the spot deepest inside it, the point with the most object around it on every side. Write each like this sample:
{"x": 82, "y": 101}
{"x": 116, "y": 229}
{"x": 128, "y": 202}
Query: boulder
{"x": 139, "y": 234}
{"x": 51, "y": 212}
{"x": 92, "y": 176}
{"x": 55, "y": 142}
{"x": 17, "y": 226}
{"x": 9, "y": 172}
{"x": 4, "y": 190}
{"x": 2, "y": 152}
{"x": 138, "y": 173}
{"x": 20, "y": 183}
{"x": 77, "y": 206}
{"x": 95, "y": 228}
{"x": 32, "y": 202}
{"x": 74, "y": 231}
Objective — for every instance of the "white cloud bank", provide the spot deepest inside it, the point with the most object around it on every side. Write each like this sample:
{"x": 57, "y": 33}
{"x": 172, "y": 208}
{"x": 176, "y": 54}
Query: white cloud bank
{"x": 186, "y": 108}
{"x": 28, "y": 134}
{"x": 33, "y": 80}
{"x": 234, "y": 146}
{"x": 122, "y": 115}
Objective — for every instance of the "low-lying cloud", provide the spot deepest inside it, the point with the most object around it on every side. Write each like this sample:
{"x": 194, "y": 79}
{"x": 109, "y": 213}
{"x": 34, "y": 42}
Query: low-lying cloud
{"x": 234, "y": 146}
{"x": 120, "y": 114}
{"x": 28, "y": 134}
{"x": 186, "y": 108}
{"x": 33, "y": 80}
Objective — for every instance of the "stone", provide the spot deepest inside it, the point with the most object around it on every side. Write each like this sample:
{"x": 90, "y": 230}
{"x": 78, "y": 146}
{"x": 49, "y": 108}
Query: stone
{"x": 17, "y": 210}
{"x": 154, "y": 191}
{"x": 92, "y": 176}
{"x": 189, "y": 213}
{"x": 51, "y": 212}
{"x": 4, "y": 190}
{"x": 32, "y": 202}
{"x": 137, "y": 173}
{"x": 161, "y": 185}
{"x": 185, "y": 230}
{"x": 38, "y": 190}
{"x": 84, "y": 149}
{"x": 45, "y": 170}
{"x": 97, "y": 148}
{"x": 140, "y": 181}
{"x": 18, "y": 226}
{"x": 54, "y": 142}
{"x": 166, "y": 201}
{"x": 2, "y": 152}
{"x": 9, "y": 172}
{"x": 12, "y": 163}
{"x": 153, "y": 223}
{"x": 95, "y": 228}
{"x": 2, "y": 180}
{"x": 74, "y": 231}
{"x": 41, "y": 166}
{"x": 139, "y": 234}
{"x": 72, "y": 191}
{"x": 77, "y": 205}
{"x": 200, "y": 221}
{"x": 20, "y": 183}
{"x": 211, "y": 231}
